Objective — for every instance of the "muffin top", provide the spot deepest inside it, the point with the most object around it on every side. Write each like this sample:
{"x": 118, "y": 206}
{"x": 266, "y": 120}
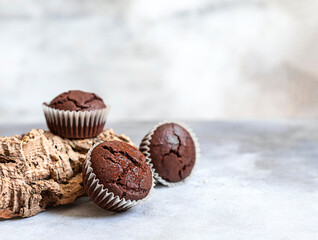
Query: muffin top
{"x": 77, "y": 101}
{"x": 122, "y": 169}
{"x": 172, "y": 152}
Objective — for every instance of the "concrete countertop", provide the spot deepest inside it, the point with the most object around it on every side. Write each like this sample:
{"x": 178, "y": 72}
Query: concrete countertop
{"x": 255, "y": 180}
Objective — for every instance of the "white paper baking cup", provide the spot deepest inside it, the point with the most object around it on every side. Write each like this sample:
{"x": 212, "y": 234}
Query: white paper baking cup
{"x": 75, "y": 124}
{"x": 145, "y": 149}
{"x": 100, "y": 195}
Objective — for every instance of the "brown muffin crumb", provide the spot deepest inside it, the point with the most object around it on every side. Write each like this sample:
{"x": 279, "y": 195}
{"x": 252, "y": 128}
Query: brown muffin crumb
{"x": 122, "y": 169}
{"x": 172, "y": 152}
{"x": 77, "y": 100}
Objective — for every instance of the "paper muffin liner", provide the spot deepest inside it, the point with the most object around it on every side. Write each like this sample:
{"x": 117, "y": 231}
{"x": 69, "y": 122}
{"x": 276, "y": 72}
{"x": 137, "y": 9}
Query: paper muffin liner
{"x": 145, "y": 149}
{"x": 101, "y": 195}
{"x": 75, "y": 124}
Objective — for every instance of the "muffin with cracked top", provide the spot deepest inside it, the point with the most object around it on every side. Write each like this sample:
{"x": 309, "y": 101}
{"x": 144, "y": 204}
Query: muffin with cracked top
{"x": 76, "y": 114}
{"x": 171, "y": 150}
{"x": 116, "y": 176}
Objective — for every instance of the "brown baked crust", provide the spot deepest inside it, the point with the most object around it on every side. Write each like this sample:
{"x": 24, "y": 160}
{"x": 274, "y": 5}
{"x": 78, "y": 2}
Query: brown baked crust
{"x": 172, "y": 152}
{"x": 39, "y": 169}
{"x": 122, "y": 169}
{"x": 77, "y": 100}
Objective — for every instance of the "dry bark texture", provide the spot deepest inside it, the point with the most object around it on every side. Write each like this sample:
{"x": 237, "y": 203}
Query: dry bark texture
{"x": 39, "y": 169}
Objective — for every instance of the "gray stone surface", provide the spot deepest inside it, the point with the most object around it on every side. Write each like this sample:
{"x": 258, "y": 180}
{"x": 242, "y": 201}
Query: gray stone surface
{"x": 255, "y": 180}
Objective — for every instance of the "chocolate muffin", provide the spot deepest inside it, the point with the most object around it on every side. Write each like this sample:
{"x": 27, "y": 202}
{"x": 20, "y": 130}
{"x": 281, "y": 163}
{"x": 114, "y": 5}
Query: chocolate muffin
{"x": 171, "y": 151}
{"x": 77, "y": 101}
{"x": 116, "y": 176}
{"x": 76, "y": 114}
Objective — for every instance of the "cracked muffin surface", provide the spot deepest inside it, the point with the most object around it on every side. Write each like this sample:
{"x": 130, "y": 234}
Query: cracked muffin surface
{"x": 77, "y": 100}
{"x": 122, "y": 169}
{"x": 172, "y": 152}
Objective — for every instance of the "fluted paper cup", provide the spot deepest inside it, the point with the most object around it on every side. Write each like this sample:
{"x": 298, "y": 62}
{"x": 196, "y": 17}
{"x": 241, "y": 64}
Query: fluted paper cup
{"x": 75, "y": 124}
{"x": 145, "y": 149}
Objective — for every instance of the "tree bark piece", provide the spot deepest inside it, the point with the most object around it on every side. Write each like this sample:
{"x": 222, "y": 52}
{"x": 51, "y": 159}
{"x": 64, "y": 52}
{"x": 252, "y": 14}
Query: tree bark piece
{"x": 39, "y": 169}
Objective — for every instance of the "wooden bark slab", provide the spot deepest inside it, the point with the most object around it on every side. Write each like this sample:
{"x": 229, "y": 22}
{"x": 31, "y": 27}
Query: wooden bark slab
{"x": 39, "y": 169}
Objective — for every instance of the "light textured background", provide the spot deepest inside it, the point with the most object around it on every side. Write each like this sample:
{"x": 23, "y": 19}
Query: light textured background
{"x": 192, "y": 59}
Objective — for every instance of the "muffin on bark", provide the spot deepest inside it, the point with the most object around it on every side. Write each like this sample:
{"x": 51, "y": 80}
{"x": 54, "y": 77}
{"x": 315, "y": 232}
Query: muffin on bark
{"x": 76, "y": 114}
{"x": 116, "y": 176}
{"x": 171, "y": 150}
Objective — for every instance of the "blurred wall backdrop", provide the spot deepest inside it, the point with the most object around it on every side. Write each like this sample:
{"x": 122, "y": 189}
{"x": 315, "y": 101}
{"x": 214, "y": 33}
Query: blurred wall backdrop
{"x": 191, "y": 59}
